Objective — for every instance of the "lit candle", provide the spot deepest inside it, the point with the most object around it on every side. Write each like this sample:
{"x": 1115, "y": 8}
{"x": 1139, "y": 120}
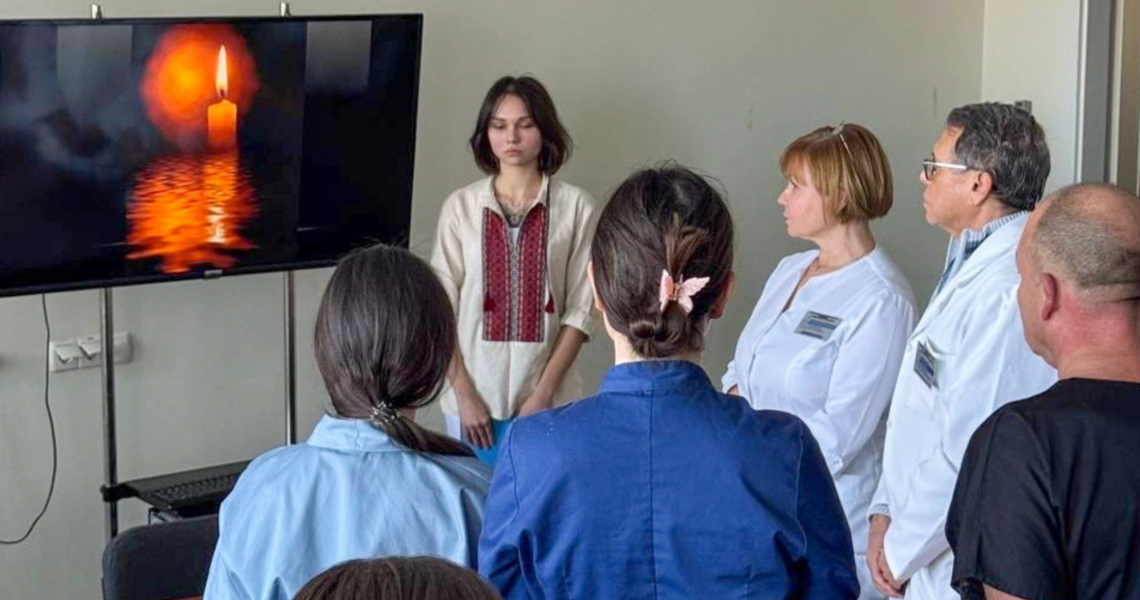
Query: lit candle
{"x": 221, "y": 118}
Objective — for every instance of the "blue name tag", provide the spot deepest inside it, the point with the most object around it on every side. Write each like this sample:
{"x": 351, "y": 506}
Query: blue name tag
{"x": 818, "y": 325}
{"x": 925, "y": 366}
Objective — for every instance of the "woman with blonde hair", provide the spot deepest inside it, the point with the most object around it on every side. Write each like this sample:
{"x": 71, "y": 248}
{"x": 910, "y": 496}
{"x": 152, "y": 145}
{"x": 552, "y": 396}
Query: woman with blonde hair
{"x": 826, "y": 338}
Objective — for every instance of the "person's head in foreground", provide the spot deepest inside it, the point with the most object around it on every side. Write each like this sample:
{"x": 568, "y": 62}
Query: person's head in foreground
{"x": 662, "y": 263}
{"x": 1079, "y": 260}
{"x": 385, "y": 335}
{"x": 397, "y": 578}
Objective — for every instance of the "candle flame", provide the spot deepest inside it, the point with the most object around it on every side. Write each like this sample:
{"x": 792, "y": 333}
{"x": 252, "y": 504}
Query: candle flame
{"x": 222, "y": 77}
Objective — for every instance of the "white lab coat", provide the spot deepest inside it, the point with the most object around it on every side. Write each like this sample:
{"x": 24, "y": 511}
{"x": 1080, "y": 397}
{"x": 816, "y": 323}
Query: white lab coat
{"x": 974, "y": 333}
{"x": 840, "y": 386}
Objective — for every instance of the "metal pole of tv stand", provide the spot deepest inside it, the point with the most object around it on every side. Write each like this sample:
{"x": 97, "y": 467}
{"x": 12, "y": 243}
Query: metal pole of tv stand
{"x": 290, "y": 360}
{"x": 107, "y": 341}
{"x": 110, "y": 453}
{"x": 290, "y": 335}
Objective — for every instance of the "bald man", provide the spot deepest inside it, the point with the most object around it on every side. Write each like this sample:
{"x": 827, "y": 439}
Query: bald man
{"x": 1047, "y": 504}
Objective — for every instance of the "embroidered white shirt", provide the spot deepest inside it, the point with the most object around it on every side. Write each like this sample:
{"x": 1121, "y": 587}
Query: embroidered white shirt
{"x": 505, "y": 372}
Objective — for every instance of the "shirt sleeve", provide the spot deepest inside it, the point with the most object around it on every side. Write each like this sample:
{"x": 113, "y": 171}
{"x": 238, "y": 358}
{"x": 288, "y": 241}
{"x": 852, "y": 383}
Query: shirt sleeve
{"x": 222, "y": 582}
{"x": 729, "y": 379}
{"x": 863, "y": 378}
{"x": 827, "y": 567}
{"x": 996, "y": 367}
{"x": 499, "y": 560}
{"x": 579, "y": 302}
{"x": 1002, "y": 525}
{"x": 447, "y": 251}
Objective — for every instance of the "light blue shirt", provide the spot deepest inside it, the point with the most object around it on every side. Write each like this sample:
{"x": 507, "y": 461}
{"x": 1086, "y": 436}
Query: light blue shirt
{"x": 348, "y": 492}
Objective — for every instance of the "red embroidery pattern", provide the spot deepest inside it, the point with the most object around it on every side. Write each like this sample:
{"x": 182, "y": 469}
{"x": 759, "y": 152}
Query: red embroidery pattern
{"x": 514, "y": 285}
{"x": 496, "y": 278}
{"x": 532, "y": 276}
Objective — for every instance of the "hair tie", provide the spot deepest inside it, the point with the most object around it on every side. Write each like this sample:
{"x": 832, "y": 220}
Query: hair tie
{"x": 681, "y": 291}
{"x": 384, "y": 414}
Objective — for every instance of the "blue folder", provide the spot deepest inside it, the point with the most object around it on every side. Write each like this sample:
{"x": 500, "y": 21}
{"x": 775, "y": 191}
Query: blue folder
{"x": 490, "y": 455}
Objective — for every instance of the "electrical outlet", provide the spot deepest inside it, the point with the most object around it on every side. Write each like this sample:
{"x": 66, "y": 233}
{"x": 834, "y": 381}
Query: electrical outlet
{"x": 87, "y": 352}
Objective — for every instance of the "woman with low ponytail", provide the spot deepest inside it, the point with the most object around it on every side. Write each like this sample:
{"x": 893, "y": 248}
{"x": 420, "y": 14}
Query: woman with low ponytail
{"x": 659, "y": 486}
{"x": 369, "y": 481}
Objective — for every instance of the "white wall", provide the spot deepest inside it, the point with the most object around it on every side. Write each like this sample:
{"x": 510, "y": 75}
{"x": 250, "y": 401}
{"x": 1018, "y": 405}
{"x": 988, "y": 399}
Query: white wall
{"x": 721, "y": 86}
{"x": 1032, "y": 52}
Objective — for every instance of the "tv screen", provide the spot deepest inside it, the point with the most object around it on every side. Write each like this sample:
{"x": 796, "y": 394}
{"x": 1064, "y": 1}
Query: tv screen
{"x": 134, "y": 151}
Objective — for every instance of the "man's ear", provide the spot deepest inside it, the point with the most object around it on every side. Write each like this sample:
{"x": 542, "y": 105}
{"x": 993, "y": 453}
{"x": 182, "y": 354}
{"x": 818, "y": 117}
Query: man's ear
{"x": 717, "y": 310}
{"x": 594, "y": 288}
{"x": 1051, "y": 296}
{"x": 982, "y": 186}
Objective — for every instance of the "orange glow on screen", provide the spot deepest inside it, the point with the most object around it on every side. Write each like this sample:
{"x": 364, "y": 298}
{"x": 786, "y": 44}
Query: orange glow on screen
{"x": 188, "y": 212}
{"x": 182, "y": 80}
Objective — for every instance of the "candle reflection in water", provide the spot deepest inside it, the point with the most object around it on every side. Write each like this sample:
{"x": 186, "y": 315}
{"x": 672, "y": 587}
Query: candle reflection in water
{"x": 188, "y": 211}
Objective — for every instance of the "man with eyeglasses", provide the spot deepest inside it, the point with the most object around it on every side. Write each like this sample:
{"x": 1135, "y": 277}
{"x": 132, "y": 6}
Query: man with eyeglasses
{"x": 967, "y": 356}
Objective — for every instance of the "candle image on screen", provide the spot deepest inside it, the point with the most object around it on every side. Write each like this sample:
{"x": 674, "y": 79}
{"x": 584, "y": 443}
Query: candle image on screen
{"x": 190, "y": 206}
{"x": 221, "y": 120}
{"x": 146, "y": 150}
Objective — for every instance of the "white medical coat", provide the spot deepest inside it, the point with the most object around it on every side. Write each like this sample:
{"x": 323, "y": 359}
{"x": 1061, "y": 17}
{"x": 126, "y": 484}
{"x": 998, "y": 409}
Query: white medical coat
{"x": 841, "y": 387}
{"x": 974, "y": 334}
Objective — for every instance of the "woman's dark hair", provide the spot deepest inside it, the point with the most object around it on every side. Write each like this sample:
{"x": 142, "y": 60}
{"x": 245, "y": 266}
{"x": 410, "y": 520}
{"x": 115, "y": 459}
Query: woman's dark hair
{"x": 397, "y": 578}
{"x": 662, "y": 218}
{"x": 384, "y": 339}
{"x": 556, "y": 143}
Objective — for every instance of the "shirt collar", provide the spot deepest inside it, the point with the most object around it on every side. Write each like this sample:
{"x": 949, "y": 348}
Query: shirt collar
{"x": 964, "y": 245}
{"x": 656, "y": 375}
{"x": 487, "y": 196}
{"x": 351, "y": 434}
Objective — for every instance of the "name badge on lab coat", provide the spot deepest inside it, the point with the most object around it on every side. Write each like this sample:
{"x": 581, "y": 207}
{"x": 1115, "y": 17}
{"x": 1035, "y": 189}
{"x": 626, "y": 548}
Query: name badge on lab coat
{"x": 925, "y": 366}
{"x": 818, "y": 325}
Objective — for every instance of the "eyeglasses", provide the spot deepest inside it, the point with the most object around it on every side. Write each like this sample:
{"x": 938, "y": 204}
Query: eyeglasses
{"x": 931, "y": 166}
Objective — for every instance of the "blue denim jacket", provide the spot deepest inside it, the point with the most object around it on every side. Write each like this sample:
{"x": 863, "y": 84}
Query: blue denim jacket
{"x": 660, "y": 487}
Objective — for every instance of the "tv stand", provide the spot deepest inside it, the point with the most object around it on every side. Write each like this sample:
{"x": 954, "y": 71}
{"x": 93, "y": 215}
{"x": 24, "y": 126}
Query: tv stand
{"x": 210, "y": 482}
{"x": 186, "y": 493}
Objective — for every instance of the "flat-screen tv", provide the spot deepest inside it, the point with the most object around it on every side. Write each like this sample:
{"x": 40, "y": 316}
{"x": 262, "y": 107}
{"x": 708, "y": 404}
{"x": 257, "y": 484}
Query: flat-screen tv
{"x": 134, "y": 151}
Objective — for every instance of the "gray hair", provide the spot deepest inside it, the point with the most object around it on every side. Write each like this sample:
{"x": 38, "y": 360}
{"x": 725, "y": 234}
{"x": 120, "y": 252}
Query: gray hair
{"x": 1091, "y": 232}
{"x": 1009, "y": 144}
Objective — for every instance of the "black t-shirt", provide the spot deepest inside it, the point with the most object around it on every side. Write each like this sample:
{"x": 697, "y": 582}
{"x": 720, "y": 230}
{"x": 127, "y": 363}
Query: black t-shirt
{"x": 1047, "y": 505}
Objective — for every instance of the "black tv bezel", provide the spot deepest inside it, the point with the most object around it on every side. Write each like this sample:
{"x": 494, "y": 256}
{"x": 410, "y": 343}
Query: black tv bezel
{"x": 131, "y": 280}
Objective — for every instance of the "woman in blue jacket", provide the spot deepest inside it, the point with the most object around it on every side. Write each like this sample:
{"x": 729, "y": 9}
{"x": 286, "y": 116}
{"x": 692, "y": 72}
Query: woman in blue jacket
{"x": 659, "y": 486}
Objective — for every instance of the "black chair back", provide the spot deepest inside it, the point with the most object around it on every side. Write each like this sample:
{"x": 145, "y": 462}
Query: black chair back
{"x": 164, "y": 561}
